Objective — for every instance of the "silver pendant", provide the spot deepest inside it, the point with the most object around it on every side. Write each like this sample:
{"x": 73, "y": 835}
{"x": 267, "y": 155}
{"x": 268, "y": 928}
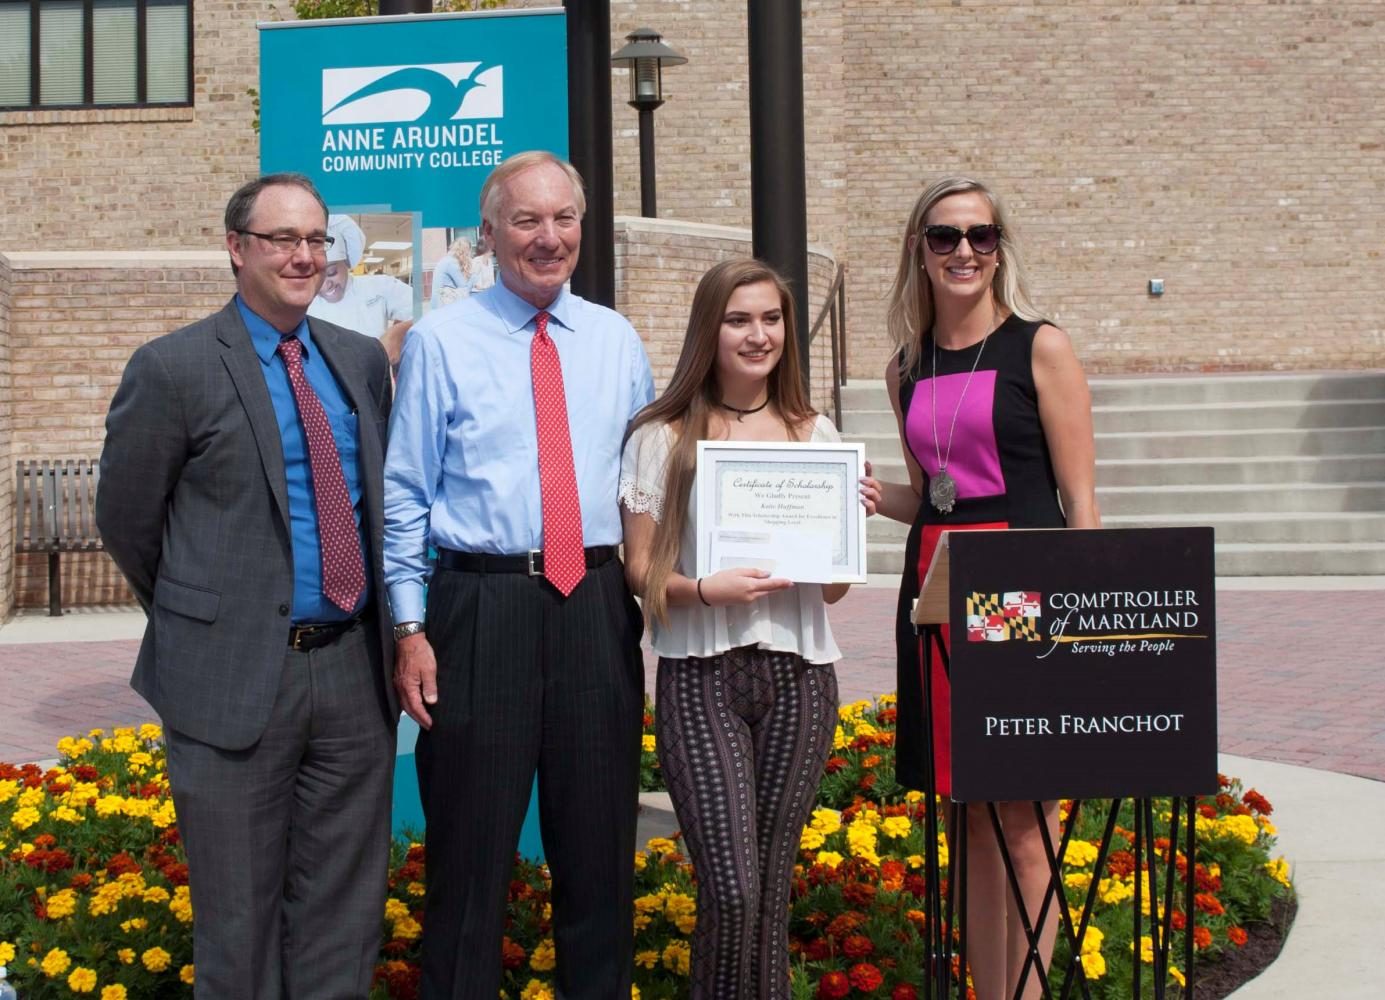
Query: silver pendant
{"x": 942, "y": 492}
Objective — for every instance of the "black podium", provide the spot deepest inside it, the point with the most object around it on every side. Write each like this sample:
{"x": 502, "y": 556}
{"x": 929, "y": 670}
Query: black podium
{"x": 1081, "y": 665}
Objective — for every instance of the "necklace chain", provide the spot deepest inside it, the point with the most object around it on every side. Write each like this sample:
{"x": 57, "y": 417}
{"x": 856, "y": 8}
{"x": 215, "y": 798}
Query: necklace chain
{"x": 743, "y": 413}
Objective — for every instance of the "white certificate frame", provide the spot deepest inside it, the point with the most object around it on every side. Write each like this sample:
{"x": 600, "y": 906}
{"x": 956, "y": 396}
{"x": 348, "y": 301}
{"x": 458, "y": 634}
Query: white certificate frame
{"x": 844, "y": 460}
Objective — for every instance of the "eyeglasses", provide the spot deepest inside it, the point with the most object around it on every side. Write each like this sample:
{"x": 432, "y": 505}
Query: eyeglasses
{"x": 287, "y": 243}
{"x": 944, "y": 239}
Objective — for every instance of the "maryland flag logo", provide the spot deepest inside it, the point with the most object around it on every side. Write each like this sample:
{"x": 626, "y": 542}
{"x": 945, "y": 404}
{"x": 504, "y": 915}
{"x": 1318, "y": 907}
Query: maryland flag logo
{"x": 998, "y": 618}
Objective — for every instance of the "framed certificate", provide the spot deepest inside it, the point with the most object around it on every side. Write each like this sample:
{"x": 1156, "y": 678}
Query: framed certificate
{"x": 793, "y": 509}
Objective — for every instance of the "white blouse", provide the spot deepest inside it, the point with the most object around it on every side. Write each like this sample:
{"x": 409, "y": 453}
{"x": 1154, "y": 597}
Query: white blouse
{"x": 787, "y": 621}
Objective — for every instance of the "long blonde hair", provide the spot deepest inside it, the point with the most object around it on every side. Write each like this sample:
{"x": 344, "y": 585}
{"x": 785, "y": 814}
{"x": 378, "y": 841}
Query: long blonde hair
{"x": 694, "y": 392}
{"x": 461, "y": 253}
{"x": 910, "y": 311}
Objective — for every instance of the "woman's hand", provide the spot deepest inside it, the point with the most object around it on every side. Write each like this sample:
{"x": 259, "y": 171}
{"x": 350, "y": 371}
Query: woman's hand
{"x": 870, "y": 492}
{"x": 742, "y": 585}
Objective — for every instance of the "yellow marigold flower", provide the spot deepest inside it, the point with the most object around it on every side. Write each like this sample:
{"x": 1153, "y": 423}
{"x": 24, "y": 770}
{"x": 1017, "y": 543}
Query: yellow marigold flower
{"x": 1113, "y": 891}
{"x": 864, "y": 728}
{"x": 156, "y": 959}
{"x": 896, "y": 827}
{"x": 150, "y": 732}
{"x": 1093, "y": 964}
{"x": 838, "y": 738}
{"x": 1080, "y": 854}
{"x": 829, "y": 858}
{"x": 81, "y": 792}
{"x": 914, "y": 861}
{"x": 126, "y": 955}
{"x": 113, "y": 992}
{"x": 61, "y": 904}
{"x": 1078, "y": 880}
{"x": 912, "y": 796}
{"x": 641, "y": 922}
{"x": 96, "y": 734}
{"x": 6, "y": 952}
{"x": 395, "y": 909}
{"x": 545, "y": 957}
{"x": 650, "y": 903}
{"x": 407, "y": 929}
{"x": 55, "y": 963}
{"x": 1243, "y": 828}
{"x": 826, "y": 821}
{"x": 536, "y": 990}
{"x": 634, "y": 992}
{"x": 109, "y": 805}
{"x": 164, "y": 816}
{"x": 8, "y": 790}
{"x": 25, "y": 817}
{"x": 181, "y": 904}
{"x": 647, "y": 742}
{"x": 660, "y": 845}
{"x": 82, "y": 980}
{"x": 1279, "y": 871}
{"x": 141, "y": 758}
{"x": 156, "y": 894}
{"x": 887, "y": 700}
{"x": 1177, "y": 975}
{"x": 811, "y": 839}
{"x": 134, "y": 924}
{"x": 136, "y": 808}
{"x": 677, "y": 957}
{"x": 1091, "y": 940}
{"x": 679, "y": 904}
{"x": 416, "y": 889}
{"x": 641, "y": 861}
{"x": 31, "y": 797}
{"x": 66, "y": 814}
{"x": 1146, "y": 950}
{"x": 647, "y": 959}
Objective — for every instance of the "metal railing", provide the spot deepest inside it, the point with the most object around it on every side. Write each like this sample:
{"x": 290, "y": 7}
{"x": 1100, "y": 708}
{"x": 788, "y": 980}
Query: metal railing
{"x": 833, "y": 313}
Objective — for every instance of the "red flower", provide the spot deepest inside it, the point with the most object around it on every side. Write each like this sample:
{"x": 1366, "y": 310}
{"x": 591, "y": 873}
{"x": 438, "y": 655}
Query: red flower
{"x": 860, "y": 894}
{"x": 44, "y": 841}
{"x": 857, "y": 946}
{"x": 834, "y": 986}
{"x": 865, "y": 977}
{"x": 867, "y": 782}
{"x": 817, "y": 949}
{"x": 1120, "y": 863}
{"x": 122, "y": 864}
{"x": 844, "y": 924}
{"x": 1257, "y": 802}
{"x": 1178, "y": 920}
{"x": 1237, "y": 936}
{"x": 904, "y": 992}
{"x": 871, "y": 760}
{"x": 915, "y": 885}
{"x": 511, "y": 955}
{"x": 1208, "y": 903}
{"x": 1202, "y": 938}
{"x": 835, "y": 764}
{"x": 887, "y": 716}
{"x": 892, "y": 875}
{"x": 1208, "y": 811}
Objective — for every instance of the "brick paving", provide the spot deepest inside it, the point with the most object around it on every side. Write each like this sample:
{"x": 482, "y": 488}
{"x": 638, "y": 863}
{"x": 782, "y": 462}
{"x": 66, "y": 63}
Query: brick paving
{"x": 1301, "y": 678}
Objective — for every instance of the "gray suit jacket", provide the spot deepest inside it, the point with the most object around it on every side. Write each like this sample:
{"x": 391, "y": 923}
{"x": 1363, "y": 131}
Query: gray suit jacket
{"x": 193, "y": 508}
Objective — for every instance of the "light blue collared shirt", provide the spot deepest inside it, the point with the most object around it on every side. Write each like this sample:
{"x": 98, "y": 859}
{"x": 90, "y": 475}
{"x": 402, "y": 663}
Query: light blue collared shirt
{"x": 463, "y": 468}
{"x": 309, "y": 603}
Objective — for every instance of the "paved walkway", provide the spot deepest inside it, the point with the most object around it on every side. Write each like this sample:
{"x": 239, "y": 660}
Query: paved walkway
{"x": 1301, "y": 692}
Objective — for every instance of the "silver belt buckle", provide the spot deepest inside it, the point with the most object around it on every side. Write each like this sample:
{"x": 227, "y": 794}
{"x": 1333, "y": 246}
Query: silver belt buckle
{"x": 532, "y": 554}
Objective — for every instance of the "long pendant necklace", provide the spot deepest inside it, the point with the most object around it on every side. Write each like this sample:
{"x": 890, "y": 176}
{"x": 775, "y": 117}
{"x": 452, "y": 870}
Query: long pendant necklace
{"x": 942, "y": 488}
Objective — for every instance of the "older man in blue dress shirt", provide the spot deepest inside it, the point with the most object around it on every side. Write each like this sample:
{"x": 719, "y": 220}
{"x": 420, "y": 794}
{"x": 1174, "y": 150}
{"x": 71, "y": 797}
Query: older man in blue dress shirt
{"x": 505, "y": 672}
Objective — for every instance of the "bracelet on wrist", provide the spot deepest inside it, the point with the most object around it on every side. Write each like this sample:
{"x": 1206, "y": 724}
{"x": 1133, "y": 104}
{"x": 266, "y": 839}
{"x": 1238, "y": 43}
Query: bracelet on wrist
{"x": 699, "y": 593}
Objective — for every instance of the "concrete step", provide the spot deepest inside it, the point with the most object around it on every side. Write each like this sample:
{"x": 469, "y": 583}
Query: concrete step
{"x": 1253, "y": 387}
{"x": 1307, "y": 559}
{"x": 1323, "y": 529}
{"x": 868, "y": 421}
{"x": 883, "y": 529}
{"x": 879, "y": 447}
{"x": 865, "y": 394}
{"x": 1241, "y": 443}
{"x": 1240, "y": 416}
{"x": 1300, "y": 497}
{"x": 885, "y": 557}
{"x": 1270, "y": 469}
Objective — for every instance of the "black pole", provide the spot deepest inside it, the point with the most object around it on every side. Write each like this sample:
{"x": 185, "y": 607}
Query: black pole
{"x": 778, "y": 184}
{"x": 649, "y": 196}
{"x": 406, "y": 7}
{"x": 589, "y": 143}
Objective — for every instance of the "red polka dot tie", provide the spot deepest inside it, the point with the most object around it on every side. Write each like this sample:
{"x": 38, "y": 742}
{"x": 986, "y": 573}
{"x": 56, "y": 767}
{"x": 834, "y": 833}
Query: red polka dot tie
{"x": 343, "y": 571}
{"x": 563, "y": 560}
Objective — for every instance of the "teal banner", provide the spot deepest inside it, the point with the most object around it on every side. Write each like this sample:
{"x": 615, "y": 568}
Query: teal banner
{"x": 410, "y": 114}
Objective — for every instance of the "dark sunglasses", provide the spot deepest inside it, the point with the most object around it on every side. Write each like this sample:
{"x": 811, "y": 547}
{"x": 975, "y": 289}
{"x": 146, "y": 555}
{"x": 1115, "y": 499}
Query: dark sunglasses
{"x": 944, "y": 239}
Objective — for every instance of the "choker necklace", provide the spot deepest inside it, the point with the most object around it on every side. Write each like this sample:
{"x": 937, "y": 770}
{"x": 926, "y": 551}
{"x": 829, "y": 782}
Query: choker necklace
{"x": 742, "y": 414}
{"x": 942, "y": 488}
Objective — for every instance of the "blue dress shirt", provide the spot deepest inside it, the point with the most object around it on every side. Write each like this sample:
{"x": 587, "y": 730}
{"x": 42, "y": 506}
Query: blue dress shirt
{"x": 309, "y": 603}
{"x": 463, "y": 466}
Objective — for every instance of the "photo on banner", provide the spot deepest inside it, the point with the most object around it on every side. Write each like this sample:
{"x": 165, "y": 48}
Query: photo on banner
{"x": 371, "y": 275}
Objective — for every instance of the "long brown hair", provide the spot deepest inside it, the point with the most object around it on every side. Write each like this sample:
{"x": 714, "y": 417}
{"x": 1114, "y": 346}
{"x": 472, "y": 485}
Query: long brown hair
{"x": 910, "y": 311}
{"x": 693, "y": 393}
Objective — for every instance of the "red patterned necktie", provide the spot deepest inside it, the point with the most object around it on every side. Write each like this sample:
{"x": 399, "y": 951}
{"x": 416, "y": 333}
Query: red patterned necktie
{"x": 343, "y": 570}
{"x": 563, "y": 560}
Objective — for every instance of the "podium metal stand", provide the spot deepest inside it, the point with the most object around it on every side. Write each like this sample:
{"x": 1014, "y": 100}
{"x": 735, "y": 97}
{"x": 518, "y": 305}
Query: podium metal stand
{"x": 946, "y": 921}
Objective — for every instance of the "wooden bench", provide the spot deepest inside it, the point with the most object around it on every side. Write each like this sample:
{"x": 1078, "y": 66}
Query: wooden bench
{"x": 54, "y": 514}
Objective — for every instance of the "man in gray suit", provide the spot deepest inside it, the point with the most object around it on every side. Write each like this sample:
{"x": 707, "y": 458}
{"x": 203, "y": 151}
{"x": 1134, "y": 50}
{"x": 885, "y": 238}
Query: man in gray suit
{"x": 240, "y": 495}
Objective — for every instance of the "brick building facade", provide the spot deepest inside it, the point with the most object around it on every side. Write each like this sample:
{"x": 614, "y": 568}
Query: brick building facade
{"x": 1232, "y": 149}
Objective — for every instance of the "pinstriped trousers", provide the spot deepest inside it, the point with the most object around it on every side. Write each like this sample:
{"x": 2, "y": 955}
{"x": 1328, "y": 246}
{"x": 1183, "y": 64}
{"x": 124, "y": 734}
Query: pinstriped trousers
{"x": 529, "y": 681}
{"x": 743, "y": 738}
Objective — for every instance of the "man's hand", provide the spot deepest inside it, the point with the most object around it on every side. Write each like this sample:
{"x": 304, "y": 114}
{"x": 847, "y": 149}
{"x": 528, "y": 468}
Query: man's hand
{"x": 416, "y": 677}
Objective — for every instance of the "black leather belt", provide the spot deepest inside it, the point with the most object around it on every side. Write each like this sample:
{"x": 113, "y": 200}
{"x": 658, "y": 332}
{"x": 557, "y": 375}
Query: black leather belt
{"x": 303, "y": 638}
{"x": 531, "y": 562}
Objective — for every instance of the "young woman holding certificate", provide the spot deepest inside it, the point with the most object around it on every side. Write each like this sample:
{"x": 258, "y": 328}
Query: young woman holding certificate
{"x": 746, "y": 692}
{"x": 995, "y": 418}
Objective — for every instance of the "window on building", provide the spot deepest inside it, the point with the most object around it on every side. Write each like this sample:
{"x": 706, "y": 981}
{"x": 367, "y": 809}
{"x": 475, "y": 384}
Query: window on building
{"x": 95, "y": 53}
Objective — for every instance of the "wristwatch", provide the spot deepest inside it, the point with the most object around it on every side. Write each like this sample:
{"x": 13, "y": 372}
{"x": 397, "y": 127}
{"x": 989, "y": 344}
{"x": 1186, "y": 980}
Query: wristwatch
{"x": 405, "y": 629}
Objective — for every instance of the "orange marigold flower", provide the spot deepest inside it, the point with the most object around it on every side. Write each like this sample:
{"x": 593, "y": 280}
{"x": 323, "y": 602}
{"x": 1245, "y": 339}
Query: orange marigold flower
{"x": 1202, "y": 938}
{"x": 1257, "y": 802}
{"x": 1209, "y": 904}
{"x": 1237, "y": 936}
{"x": 857, "y": 946}
{"x": 865, "y": 977}
{"x": 834, "y": 986}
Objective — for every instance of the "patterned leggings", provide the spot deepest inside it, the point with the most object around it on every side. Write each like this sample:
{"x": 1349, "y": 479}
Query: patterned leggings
{"x": 743, "y": 738}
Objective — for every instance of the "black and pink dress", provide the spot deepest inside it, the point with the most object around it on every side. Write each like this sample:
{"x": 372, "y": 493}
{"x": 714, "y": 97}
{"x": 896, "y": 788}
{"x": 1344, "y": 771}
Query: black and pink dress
{"x": 1000, "y": 462}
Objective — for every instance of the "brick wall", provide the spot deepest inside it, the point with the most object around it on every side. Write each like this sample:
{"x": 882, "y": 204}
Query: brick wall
{"x": 74, "y": 320}
{"x": 6, "y": 459}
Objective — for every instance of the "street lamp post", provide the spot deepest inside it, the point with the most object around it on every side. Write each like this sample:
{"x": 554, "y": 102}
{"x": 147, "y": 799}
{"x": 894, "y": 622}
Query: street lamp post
{"x": 645, "y": 55}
